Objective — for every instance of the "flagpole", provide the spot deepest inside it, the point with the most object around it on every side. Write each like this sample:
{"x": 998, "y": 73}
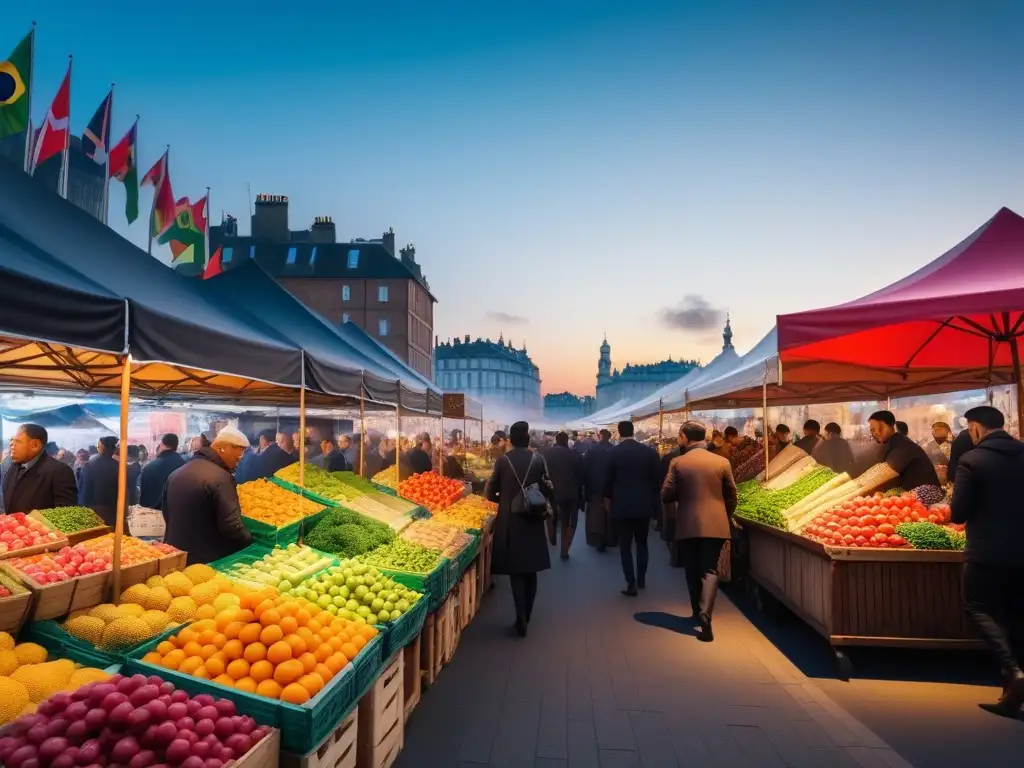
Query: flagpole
{"x": 32, "y": 77}
{"x": 108, "y": 140}
{"x": 152, "y": 205}
{"x": 206, "y": 233}
{"x": 67, "y": 140}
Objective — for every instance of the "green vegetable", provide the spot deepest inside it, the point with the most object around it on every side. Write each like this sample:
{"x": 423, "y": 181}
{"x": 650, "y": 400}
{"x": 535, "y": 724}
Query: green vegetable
{"x": 925, "y": 535}
{"x": 957, "y": 539}
{"x": 402, "y": 555}
{"x": 895, "y": 492}
{"x": 346, "y": 533}
{"x": 72, "y": 519}
{"x": 757, "y": 503}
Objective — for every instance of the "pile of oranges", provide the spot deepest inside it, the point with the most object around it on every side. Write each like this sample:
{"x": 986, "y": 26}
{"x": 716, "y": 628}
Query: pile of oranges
{"x": 275, "y": 646}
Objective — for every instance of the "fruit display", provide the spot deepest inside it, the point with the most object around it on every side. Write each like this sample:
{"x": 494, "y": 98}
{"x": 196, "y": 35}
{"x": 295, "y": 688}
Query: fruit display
{"x": 282, "y": 568}
{"x": 749, "y": 467}
{"x": 764, "y": 505}
{"x": 164, "y": 548}
{"x": 135, "y": 721}
{"x": 396, "y": 514}
{"x": 401, "y": 555}
{"x": 449, "y": 540}
{"x": 89, "y": 556}
{"x": 318, "y": 481}
{"x": 71, "y": 519}
{"x": 885, "y": 522}
{"x": 27, "y": 679}
{"x": 387, "y": 478}
{"x": 276, "y": 646}
{"x": 112, "y": 627}
{"x": 358, "y": 592}
{"x": 431, "y": 490}
{"x": 469, "y": 513}
{"x": 133, "y": 551}
{"x": 19, "y": 531}
{"x": 269, "y": 503}
{"x": 10, "y": 586}
{"x": 346, "y": 533}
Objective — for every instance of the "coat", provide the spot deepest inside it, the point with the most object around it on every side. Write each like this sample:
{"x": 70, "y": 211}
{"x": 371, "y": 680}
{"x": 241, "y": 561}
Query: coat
{"x": 962, "y": 443}
{"x": 836, "y": 454}
{"x": 204, "y": 517}
{"x": 373, "y": 463}
{"x": 702, "y": 486}
{"x": 595, "y": 464}
{"x": 986, "y": 498}
{"x": 49, "y": 483}
{"x": 417, "y": 460}
{"x": 97, "y": 488}
{"x": 154, "y": 477}
{"x": 633, "y": 481}
{"x": 520, "y": 543}
{"x": 565, "y": 468}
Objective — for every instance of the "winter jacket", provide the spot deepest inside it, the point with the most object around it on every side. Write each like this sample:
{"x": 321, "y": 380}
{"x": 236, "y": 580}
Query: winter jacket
{"x": 154, "y": 477}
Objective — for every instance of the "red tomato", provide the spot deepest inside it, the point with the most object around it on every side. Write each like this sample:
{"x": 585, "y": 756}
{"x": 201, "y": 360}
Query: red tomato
{"x": 897, "y": 541}
{"x": 879, "y": 537}
{"x": 848, "y": 539}
{"x": 879, "y": 519}
{"x": 861, "y": 541}
{"x": 887, "y": 528}
{"x": 845, "y": 530}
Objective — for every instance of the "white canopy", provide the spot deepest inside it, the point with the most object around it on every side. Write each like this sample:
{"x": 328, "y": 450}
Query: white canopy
{"x": 677, "y": 399}
{"x": 597, "y": 419}
{"x": 739, "y": 387}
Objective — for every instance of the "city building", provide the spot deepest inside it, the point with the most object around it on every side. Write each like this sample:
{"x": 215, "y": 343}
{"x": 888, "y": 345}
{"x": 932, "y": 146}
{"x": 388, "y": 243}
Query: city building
{"x": 492, "y": 372}
{"x": 635, "y": 381}
{"x": 565, "y": 406}
{"x": 361, "y": 281}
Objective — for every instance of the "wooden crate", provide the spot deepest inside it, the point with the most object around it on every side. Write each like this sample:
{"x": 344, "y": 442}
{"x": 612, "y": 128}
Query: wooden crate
{"x": 51, "y": 601}
{"x": 77, "y": 536}
{"x": 338, "y": 750}
{"x": 470, "y": 595}
{"x": 385, "y": 754}
{"x": 452, "y": 628}
{"x": 413, "y": 674}
{"x": 483, "y": 563}
{"x": 382, "y": 717}
{"x": 49, "y": 546}
{"x": 14, "y": 612}
{"x": 170, "y": 563}
{"x": 265, "y": 754}
{"x": 136, "y": 574}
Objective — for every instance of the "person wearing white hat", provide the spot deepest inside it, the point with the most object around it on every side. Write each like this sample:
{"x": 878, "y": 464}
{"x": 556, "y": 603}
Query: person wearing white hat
{"x": 200, "y": 503}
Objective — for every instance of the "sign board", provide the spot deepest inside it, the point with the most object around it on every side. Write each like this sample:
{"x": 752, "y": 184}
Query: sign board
{"x": 453, "y": 405}
{"x": 146, "y": 524}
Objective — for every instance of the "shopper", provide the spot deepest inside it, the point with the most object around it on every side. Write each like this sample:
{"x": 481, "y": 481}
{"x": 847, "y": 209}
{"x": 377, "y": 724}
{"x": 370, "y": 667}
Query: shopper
{"x": 988, "y": 481}
{"x": 565, "y": 467}
{"x": 520, "y": 549}
{"x": 834, "y": 451}
{"x": 98, "y": 487}
{"x": 204, "y": 517}
{"x": 155, "y": 473}
{"x": 668, "y": 510}
{"x": 330, "y": 458}
{"x": 906, "y": 457}
{"x": 962, "y": 443}
{"x": 35, "y": 480}
{"x": 632, "y": 485}
{"x": 134, "y": 473}
{"x": 903, "y": 428}
{"x": 812, "y": 437}
{"x": 418, "y": 457}
{"x": 373, "y": 462}
{"x": 599, "y": 529}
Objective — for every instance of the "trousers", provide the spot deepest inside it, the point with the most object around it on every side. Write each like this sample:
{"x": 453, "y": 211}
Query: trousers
{"x": 700, "y": 560}
{"x": 630, "y": 530}
{"x": 524, "y": 592}
{"x": 994, "y": 601}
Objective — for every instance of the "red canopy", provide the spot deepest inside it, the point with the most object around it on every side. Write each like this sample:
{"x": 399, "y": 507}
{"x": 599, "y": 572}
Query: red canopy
{"x": 951, "y": 325}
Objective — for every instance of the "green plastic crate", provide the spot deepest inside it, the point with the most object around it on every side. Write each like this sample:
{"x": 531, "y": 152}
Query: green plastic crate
{"x": 270, "y": 536}
{"x": 255, "y": 552}
{"x": 434, "y": 584}
{"x": 303, "y": 727}
{"x": 57, "y": 642}
{"x": 385, "y": 490}
{"x": 468, "y": 554}
{"x": 399, "y": 634}
{"x": 308, "y": 494}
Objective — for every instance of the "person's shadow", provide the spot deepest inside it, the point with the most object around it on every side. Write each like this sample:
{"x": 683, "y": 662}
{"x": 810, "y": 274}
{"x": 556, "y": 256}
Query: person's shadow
{"x": 662, "y": 620}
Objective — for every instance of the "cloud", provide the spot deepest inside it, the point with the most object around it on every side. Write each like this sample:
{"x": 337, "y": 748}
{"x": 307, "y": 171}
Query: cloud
{"x": 505, "y": 317}
{"x": 694, "y": 313}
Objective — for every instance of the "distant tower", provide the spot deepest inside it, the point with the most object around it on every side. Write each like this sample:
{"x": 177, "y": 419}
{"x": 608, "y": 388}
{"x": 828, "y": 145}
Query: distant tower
{"x": 604, "y": 364}
{"x": 727, "y": 334}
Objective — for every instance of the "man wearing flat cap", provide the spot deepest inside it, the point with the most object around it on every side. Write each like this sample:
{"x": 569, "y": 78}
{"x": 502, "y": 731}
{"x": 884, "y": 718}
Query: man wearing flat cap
{"x": 200, "y": 502}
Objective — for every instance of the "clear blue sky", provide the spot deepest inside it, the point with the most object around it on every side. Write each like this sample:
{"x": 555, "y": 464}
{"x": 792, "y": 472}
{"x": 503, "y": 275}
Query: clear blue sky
{"x": 571, "y": 168}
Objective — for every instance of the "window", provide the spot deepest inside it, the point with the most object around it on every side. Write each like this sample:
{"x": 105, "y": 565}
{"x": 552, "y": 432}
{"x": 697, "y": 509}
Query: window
{"x": 382, "y": 327}
{"x": 382, "y": 294}
{"x": 252, "y": 252}
{"x": 344, "y": 315}
{"x": 225, "y": 257}
{"x": 346, "y": 293}
{"x": 353, "y": 258}
{"x": 293, "y": 254}
{"x": 312, "y": 257}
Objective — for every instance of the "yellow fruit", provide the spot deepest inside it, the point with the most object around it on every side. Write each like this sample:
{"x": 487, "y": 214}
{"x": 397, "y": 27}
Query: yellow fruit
{"x": 206, "y": 593}
{"x": 199, "y": 573}
{"x": 155, "y": 581}
{"x": 182, "y": 608}
{"x": 157, "y": 600}
{"x": 29, "y": 709}
{"x": 106, "y": 612}
{"x": 178, "y": 584}
{"x": 13, "y": 698}
{"x": 125, "y": 632}
{"x": 206, "y": 612}
{"x": 136, "y": 593}
{"x": 8, "y": 662}
{"x": 86, "y": 675}
{"x": 130, "y": 609}
{"x": 30, "y": 653}
{"x": 225, "y": 601}
{"x": 43, "y": 680}
{"x": 87, "y": 628}
{"x": 6, "y": 642}
{"x": 156, "y": 620}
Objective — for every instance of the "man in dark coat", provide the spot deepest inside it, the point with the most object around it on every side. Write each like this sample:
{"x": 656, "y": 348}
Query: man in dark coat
{"x": 565, "y": 468}
{"x": 418, "y": 457}
{"x": 633, "y": 487}
{"x": 600, "y": 532}
{"x": 154, "y": 475}
{"x": 962, "y": 443}
{"x": 988, "y": 487}
{"x": 668, "y": 510}
{"x": 34, "y": 479}
{"x": 373, "y": 462}
{"x": 834, "y": 451}
{"x": 204, "y": 517}
{"x": 329, "y": 458}
{"x": 812, "y": 437}
{"x": 134, "y": 473}
{"x": 268, "y": 458}
{"x": 98, "y": 487}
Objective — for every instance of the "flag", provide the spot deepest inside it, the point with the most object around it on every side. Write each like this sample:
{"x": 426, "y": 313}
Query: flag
{"x": 215, "y": 266}
{"x": 186, "y": 234}
{"x": 164, "y": 208}
{"x": 15, "y": 88}
{"x": 96, "y": 138}
{"x": 54, "y": 134}
{"x": 124, "y": 168}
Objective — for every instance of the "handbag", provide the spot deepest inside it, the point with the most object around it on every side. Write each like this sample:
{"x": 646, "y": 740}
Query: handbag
{"x": 530, "y": 502}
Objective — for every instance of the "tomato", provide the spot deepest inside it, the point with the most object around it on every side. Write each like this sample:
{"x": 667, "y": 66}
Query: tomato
{"x": 879, "y": 519}
{"x": 861, "y": 541}
{"x": 887, "y": 528}
{"x": 879, "y": 537}
{"x": 897, "y": 541}
{"x": 848, "y": 539}
{"x": 845, "y": 530}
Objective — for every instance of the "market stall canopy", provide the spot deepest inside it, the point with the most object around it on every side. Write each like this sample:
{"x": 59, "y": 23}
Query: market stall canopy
{"x": 742, "y": 385}
{"x": 952, "y": 325}
{"x": 675, "y": 396}
{"x": 600, "y": 418}
{"x": 184, "y": 342}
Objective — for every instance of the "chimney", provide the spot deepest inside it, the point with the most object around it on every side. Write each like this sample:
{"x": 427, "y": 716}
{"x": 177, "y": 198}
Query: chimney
{"x": 270, "y": 221}
{"x": 388, "y": 239}
{"x": 323, "y": 230}
{"x": 467, "y": 338}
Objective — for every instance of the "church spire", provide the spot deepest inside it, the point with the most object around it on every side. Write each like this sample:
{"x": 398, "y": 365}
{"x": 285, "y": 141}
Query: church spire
{"x": 727, "y": 334}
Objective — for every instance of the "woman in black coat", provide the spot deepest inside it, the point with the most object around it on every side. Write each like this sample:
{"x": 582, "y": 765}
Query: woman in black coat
{"x": 520, "y": 542}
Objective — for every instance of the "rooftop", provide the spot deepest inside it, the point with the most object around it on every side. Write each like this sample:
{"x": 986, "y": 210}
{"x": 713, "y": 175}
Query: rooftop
{"x": 465, "y": 348}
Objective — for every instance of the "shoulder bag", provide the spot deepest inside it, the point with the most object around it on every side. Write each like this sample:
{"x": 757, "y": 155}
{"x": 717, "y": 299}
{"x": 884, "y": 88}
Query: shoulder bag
{"x": 530, "y": 502}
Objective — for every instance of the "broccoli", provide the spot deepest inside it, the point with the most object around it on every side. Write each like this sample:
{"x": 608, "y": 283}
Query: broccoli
{"x": 347, "y": 533}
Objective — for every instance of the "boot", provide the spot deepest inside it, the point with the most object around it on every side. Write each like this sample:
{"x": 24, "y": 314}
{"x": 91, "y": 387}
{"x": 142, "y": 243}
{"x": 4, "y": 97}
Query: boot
{"x": 1010, "y": 702}
{"x": 705, "y": 635}
{"x": 708, "y": 593}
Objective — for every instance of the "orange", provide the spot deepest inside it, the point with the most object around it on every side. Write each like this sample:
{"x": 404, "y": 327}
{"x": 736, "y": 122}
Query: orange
{"x": 244, "y": 615}
{"x": 204, "y": 624}
{"x": 269, "y": 688}
{"x": 234, "y": 649}
{"x": 324, "y": 635}
{"x": 215, "y": 666}
{"x": 288, "y": 671}
{"x": 246, "y": 684}
{"x": 279, "y": 652}
{"x": 324, "y": 671}
{"x": 223, "y": 619}
{"x": 314, "y": 626}
{"x": 224, "y": 680}
{"x": 190, "y": 665}
{"x": 335, "y": 643}
{"x": 295, "y": 694}
{"x": 165, "y": 648}
{"x": 206, "y": 612}
{"x": 187, "y": 635}
{"x": 298, "y": 645}
{"x": 208, "y": 650}
{"x": 250, "y": 633}
{"x": 270, "y": 634}
{"x": 312, "y": 683}
{"x": 153, "y": 658}
{"x": 288, "y": 624}
{"x": 308, "y": 661}
{"x": 219, "y": 639}
{"x": 336, "y": 662}
{"x": 305, "y": 633}
{"x": 206, "y": 637}
{"x": 238, "y": 669}
{"x": 288, "y": 608}
{"x": 359, "y": 641}
{"x": 323, "y": 651}
{"x": 350, "y": 650}
{"x": 192, "y": 648}
{"x": 201, "y": 672}
{"x": 270, "y": 616}
{"x": 232, "y": 630}
{"x": 174, "y": 658}
{"x": 255, "y": 652}
{"x": 302, "y": 616}
{"x": 261, "y": 670}
{"x": 265, "y": 605}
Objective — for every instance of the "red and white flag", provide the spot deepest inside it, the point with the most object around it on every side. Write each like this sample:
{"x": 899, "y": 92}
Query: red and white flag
{"x": 55, "y": 132}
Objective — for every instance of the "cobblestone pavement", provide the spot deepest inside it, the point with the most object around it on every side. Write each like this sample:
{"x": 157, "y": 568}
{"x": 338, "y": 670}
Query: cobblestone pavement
{"x": 604, "y": 680}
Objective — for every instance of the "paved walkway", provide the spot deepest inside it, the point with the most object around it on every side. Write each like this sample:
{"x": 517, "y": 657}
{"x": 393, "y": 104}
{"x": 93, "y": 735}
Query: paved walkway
{"x": 604, "y": 680}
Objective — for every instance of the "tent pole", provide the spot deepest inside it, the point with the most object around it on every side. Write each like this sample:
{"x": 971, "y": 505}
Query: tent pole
{"x": 1015, "y": 356}
{"x": 362, "y": 429}
{"x": 122, "y": 475}
{"x": 398, "y": 435}
{"x": 764, "y": 422}
{"x": 465, "y": 438}
{"x": 440, "y": 446}
{"x": 302, "y": 436}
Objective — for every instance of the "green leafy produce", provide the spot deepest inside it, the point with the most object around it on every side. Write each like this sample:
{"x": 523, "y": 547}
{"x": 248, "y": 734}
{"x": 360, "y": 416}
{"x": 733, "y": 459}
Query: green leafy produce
{"x": 895, "y": 492}
{"x": 71, "y": 519}
{"x": 925, "y": 535}
{"x": 355, "y": 481}
{"x": 402, "y": 555}
{"x": 957, "y": 539}
{"x": 347, "y": 533}
{"x": 757, "y": 503}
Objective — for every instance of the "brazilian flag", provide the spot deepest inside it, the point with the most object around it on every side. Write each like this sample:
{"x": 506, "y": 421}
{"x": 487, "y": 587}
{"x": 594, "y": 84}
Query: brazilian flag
{"x": 15, "y": 82}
